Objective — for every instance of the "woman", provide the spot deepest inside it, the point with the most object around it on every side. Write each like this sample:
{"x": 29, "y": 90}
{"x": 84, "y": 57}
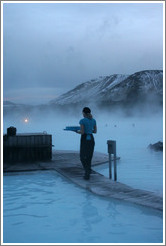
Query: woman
{"x": 88, "y": 126}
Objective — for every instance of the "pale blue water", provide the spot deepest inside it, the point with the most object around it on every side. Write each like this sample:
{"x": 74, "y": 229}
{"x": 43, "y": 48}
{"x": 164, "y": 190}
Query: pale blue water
{"x": 43, "y": 207}
{"x": 141, "y": 169}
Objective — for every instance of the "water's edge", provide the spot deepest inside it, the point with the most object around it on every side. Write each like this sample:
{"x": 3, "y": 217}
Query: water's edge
{"x": 67, "y": 163}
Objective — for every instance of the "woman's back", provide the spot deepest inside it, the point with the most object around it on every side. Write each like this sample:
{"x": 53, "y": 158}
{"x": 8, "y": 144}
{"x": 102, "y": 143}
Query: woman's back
{"x": 89, "y": 124}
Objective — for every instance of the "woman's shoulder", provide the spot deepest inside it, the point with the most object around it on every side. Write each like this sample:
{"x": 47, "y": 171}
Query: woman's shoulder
{"x": 82, "y": 120}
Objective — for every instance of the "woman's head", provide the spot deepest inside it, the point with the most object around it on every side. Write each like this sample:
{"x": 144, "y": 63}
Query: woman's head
{"x": 87, "y": 112}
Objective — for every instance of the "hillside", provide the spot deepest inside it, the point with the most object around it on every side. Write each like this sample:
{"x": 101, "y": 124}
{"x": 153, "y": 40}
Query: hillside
{"x": 141, "y": 87}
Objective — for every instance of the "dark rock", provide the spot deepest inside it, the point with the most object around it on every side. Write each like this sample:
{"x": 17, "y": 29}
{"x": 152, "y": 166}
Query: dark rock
{"x": 157, "y": 146}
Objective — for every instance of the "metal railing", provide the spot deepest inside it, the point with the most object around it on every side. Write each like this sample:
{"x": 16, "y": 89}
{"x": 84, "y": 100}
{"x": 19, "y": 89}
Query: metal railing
{"x": 112, "y": 151}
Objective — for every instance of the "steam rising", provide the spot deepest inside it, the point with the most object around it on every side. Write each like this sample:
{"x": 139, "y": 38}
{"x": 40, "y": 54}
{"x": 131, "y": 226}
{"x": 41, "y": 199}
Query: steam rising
{"x": 112, "y": 124}
{"x": 132, "y": 132}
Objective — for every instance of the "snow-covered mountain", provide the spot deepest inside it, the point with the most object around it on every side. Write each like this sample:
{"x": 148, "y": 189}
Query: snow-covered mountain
{"x": 140, "y": 92}
{"x": 144, "y": 86}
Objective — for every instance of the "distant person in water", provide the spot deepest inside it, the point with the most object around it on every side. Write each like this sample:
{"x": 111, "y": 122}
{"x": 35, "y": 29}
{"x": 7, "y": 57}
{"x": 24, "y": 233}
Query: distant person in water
{"x": 87, "y": 143}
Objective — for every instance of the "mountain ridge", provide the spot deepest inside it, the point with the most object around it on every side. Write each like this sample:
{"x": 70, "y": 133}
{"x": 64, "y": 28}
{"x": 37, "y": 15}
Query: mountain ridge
{"x": 144, "y": 86}
{"x": 136, "y": 94}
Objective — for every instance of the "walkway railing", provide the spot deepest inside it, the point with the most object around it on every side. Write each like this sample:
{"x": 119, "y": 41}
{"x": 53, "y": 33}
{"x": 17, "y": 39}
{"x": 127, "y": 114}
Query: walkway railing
{"x": 112, "y": 151}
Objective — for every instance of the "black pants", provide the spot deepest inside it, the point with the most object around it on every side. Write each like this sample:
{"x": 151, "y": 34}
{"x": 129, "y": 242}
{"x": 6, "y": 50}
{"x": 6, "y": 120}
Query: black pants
{"x": 86, "y": 152}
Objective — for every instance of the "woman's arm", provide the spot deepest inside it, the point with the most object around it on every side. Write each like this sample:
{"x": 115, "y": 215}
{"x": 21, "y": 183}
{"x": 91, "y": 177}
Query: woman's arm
{"x": 81, "y": 131}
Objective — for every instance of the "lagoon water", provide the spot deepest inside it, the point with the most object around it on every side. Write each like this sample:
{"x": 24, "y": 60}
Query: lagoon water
{"x": 43, "y": 207}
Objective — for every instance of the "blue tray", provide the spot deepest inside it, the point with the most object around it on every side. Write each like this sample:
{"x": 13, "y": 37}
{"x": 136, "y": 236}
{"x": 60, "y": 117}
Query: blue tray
{"x": 72, "y": 128}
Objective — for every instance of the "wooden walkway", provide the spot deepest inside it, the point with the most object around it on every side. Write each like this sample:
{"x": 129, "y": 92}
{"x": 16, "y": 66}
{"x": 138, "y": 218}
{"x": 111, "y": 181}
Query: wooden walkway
{"x": 67, "y": 163}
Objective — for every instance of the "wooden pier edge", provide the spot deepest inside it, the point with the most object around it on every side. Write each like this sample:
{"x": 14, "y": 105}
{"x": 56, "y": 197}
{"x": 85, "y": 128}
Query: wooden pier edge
{"x": 67, "y": 163}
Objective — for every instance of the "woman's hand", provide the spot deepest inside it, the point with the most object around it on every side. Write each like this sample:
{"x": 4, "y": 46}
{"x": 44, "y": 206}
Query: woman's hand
{"x": 95, "y": 129}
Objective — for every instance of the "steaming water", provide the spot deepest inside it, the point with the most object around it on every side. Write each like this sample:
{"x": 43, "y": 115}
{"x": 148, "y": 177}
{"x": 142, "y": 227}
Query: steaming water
{"x": 138, "y": 166}
{"x": 44, "y": 207}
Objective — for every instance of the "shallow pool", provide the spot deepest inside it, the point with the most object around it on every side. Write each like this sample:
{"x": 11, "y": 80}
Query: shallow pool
{"x": 43, "y": 207}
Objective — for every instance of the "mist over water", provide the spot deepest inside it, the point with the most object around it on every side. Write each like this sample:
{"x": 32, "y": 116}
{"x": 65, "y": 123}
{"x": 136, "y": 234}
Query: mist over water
{"x": 134, "y": 129}
{"x": 138, "y": 166}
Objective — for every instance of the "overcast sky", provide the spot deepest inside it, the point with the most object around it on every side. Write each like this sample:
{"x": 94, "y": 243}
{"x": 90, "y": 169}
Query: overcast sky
{"x": 49, "y": 48}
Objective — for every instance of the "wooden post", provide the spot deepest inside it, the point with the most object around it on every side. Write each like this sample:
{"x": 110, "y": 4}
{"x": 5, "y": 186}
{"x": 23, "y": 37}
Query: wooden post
{"x": 110, "y": 166}
{"x": 115, "y": 169}
{"x": 112, "y": 150}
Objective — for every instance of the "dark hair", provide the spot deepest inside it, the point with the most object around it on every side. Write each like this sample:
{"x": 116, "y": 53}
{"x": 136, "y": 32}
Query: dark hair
{"x": 86, "y": 110}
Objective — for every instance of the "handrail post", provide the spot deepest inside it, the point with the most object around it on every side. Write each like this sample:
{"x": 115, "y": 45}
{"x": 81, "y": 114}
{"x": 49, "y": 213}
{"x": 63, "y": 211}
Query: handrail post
{"x": 110, "y": 166}
{"x": 112, "y": 150}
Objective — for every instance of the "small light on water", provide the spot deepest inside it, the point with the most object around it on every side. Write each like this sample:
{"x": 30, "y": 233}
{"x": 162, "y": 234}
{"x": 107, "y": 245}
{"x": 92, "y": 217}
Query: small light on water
{"x": 26, "y": 120}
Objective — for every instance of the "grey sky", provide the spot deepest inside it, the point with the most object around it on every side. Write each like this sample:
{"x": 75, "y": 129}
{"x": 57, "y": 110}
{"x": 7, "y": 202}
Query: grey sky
{"x": 51, "y": 47}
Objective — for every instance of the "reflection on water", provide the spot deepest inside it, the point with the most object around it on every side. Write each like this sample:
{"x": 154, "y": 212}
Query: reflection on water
{"x": 43, "y": 207}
